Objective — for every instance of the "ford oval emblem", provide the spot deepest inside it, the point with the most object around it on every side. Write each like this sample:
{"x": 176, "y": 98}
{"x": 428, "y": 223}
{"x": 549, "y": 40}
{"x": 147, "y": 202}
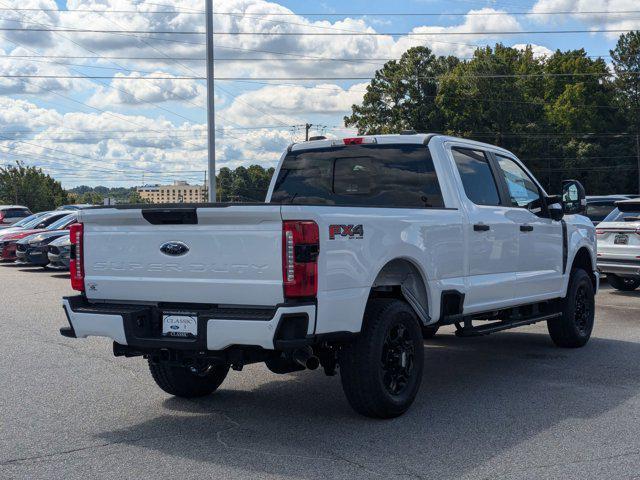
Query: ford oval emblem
{"x": 174, "y": 249}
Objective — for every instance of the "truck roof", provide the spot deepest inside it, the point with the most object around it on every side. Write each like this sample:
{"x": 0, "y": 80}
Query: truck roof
{"x": 412, "y": 138}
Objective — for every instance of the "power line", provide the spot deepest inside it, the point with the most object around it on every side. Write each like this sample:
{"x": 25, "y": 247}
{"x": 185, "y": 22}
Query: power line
{"x": 89, "y": 30}
{"x": 304, "y": 79}
{"x": 326, "y": 14}
{"x": 236, "y": 59}
{"x": 324, "y": 34}
{"x": 409, "y": 34}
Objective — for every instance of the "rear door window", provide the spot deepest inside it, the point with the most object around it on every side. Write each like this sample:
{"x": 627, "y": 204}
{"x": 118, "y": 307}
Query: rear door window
{"x": 360, "y": 175}
{"x": 477, "y": 178}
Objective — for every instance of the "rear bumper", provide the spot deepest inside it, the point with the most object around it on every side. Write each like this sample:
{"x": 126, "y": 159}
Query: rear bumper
{"x": 139, "y": 326}
{"x": 618, "y": 266}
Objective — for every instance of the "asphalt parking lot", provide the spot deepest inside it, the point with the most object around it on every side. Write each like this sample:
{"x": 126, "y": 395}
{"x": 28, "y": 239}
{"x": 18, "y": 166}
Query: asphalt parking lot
{"x": 505, "y": 406}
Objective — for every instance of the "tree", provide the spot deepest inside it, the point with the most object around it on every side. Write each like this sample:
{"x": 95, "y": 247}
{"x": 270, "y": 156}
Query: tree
{"x": 402, "y": 95}
{"x": 243, "y": 184}
{"x": 29, "y": 186}
{"x": 484, "y": 97}
{"x": 562, "y": 114}
{"x": 626, "y": 64}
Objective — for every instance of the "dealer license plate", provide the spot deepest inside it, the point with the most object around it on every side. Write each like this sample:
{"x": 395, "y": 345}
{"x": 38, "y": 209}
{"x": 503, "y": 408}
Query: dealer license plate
{"x": 180, "y": 325}
{"x": 621, "y": 239}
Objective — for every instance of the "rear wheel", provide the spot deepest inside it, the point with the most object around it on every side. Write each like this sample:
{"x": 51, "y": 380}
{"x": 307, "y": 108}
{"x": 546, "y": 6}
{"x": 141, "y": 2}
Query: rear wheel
{"x": 626, "y": 284}
{"x": 188, "y": 382}
{"x": 381, "y": 371}
{"x": 573, "y": 329}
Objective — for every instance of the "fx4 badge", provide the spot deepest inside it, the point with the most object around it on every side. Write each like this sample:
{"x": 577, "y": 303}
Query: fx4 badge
{"x": 350, "y": 231}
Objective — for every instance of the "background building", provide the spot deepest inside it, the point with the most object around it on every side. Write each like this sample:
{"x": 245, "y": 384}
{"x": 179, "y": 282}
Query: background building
{"x": 179, "y": 192}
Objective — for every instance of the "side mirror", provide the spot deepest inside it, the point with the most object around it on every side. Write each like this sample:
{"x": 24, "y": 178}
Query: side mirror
{"x": 574, "y": 200}
{"x": 555, "y": 209}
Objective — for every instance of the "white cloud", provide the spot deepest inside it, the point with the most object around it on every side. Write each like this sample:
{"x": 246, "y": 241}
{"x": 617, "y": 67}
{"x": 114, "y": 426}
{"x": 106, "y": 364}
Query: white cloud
{"x": 291, "y": 104}
{"x": 461, "y": 45}
{"x": 13, "y": 68}
{"x": 95, "y": 148}
{"x": 156, "y": 141}
{"x": 140, "y": 89}
{"x": 610, "y": 20}
{"x": 538, "y": 50}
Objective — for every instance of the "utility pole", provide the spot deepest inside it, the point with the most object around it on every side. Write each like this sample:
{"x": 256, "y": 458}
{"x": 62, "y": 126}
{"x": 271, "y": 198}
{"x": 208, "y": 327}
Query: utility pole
{"x": 204, "y": 187}
{"x": 211, "y": 121}
{"x": 307, "y": 127}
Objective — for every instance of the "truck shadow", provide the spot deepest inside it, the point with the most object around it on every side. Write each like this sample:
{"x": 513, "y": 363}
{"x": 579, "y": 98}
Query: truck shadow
{"x": 479, "y": 397}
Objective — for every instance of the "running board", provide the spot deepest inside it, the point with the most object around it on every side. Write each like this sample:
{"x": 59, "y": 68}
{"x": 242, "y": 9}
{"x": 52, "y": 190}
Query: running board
{"x": 470, "y": 331}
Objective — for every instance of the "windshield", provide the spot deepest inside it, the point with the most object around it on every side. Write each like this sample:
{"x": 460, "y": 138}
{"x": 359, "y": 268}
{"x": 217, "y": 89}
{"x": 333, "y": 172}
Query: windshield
{"x": 617, "y": 216}
{"x": 366, "y": 175}
{"x": 34, "y": 222}
{"x": 27, "y": 220}
{"x": 62, "y": 223}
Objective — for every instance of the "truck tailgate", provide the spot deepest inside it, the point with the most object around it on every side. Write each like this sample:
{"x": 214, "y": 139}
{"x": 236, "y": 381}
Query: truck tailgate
{"x": 233, "y": 254}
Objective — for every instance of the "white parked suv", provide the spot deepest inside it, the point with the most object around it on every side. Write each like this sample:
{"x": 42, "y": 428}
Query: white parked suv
{"x": 619, "y": 245}
{"x": 364, "y": 246}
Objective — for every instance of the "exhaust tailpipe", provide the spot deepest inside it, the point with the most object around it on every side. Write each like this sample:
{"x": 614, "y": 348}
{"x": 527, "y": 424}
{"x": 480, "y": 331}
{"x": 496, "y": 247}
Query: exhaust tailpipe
{"x": 306, "y": 358}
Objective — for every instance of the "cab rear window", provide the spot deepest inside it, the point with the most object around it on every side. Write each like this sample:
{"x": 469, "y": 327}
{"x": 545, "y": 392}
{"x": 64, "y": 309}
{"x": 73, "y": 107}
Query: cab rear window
{"x": 360, "y": 175}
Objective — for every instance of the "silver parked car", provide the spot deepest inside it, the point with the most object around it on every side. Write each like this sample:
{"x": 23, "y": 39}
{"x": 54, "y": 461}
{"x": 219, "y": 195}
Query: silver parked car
{"x": 58, "y": 252}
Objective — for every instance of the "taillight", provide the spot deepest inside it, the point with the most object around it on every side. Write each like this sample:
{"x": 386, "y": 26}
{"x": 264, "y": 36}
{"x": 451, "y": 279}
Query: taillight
{"x": 76, "y": 263}
{"x": 599, "y": 231}
{"x": 357, "y": 140}
{"x": 1, "y": 217}
{"x": 300, "y": 249}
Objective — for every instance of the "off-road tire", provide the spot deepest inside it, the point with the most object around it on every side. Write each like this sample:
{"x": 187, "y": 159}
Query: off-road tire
{"x": 625, "y": 284}
{"x": 182, "y": 382}
{"x": 368, "y": 366}
{"x": 573, "y": 329}
{"x": 429, "y": 331}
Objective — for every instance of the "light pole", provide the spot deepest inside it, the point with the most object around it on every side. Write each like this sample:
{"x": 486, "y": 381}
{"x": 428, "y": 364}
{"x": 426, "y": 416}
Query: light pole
{"x": 211, "y": 121}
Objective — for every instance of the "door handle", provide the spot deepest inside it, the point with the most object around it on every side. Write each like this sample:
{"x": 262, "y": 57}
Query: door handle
{"x": 481, "y": 227}
{"x": 526, "y": 228}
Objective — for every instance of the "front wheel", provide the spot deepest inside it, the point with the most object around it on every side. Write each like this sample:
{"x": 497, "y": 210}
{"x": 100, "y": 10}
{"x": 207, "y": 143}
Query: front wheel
{"x": 188, "y": 381}
{"x": 626, "y": 284}
{"x": 573, "y": 328}
{"x": 381, "y": 371}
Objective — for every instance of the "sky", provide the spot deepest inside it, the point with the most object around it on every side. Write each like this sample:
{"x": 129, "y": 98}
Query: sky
{"x": 128, "y": 106}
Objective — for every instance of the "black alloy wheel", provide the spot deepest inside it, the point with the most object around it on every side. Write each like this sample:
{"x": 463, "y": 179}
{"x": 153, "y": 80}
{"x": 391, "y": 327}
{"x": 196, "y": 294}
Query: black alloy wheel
{"x": 397, "y": 359}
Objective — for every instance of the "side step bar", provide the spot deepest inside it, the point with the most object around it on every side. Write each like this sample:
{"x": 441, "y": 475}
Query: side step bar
{"x": 470, "y": 331}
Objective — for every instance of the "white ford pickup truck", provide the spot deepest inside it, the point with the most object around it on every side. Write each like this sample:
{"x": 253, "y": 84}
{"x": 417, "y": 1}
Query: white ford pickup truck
{"x": 363, "y": 247}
